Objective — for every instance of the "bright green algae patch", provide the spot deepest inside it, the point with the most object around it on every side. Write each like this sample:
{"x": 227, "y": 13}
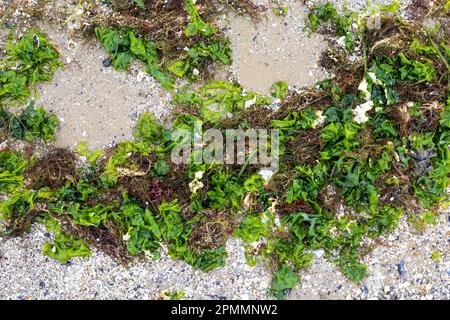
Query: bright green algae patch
{"x": 28, "y": 61}
{"x": 126, "y": 46}
{"x": 357, "y": 152}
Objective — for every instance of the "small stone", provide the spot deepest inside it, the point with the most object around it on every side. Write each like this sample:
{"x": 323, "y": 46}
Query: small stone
{"x": 140, "y": 76}
{"x": 42, "y": 284}
{"x": 107, "y": 62}
{"x": 365, "y": 290}
{"x": 287, "y": 292}
{"x": 401, "y": 268}
{"x": 134, "y": 116}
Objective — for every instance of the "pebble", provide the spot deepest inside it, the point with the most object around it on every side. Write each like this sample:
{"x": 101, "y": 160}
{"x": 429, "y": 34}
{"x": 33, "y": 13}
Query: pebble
{"x": 107, "y": 62}
{"x": 401, "y": 268}
{"x": 365, "y": 290}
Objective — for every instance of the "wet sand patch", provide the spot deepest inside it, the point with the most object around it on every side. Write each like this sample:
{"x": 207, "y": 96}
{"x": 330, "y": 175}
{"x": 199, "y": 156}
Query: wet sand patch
{"x": 275, "y": 49}
{"x": 95, "y": 103}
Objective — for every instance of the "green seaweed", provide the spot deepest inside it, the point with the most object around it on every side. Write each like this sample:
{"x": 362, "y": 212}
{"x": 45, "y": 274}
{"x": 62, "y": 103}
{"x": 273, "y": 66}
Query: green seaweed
{"x": 126, "y": 46}
{"x": 30, "y": 124}
{"x": 367, "y": 171}
{"x": 29, "y": 60}
{"x": 196, "y": 26}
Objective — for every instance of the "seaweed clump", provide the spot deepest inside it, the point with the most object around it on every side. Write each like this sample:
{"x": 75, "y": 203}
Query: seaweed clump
{"x": 356, "y": 152}
{"x": 165, "y": 21}
{"x": 107, "y": 238}
{"x": 53, "y": 170}
{"x": 212, "y": 233}
{"x": 185, "y": 40}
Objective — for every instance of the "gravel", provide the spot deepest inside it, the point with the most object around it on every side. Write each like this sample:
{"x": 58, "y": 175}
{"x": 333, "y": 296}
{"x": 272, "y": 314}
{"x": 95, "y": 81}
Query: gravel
{"x": 26, "y": 274}
{"x": 400, "y": 264}
{"x": 400, "y": 267}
